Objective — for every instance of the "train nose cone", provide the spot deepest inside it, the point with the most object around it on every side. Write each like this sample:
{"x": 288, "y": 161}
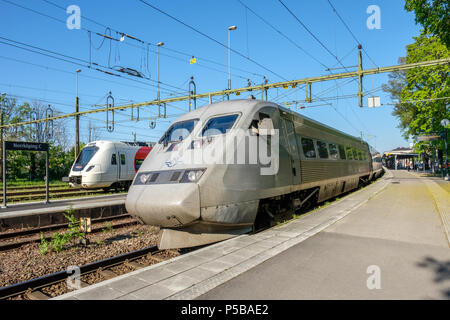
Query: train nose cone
{"x": 165, "y": 205}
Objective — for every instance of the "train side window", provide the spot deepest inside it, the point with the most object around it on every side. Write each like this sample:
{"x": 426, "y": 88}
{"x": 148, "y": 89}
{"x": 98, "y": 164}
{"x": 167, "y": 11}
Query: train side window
{"x": 308, "y": 148}
{"x": 355, "y": 154}
{"x": 322, "y": 149}
{"x": 114, "y": 159}
{"x": 361, "y": 156}
{"x": 342, "y": 152}
{"x": 348, "y": 151}
{"x": 122, "y": 159}
{"x": 333, "y": 151}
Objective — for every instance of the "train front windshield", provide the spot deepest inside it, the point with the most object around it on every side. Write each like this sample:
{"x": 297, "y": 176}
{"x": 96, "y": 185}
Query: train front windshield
{"x": 84, "y": 157}
{"x": 179, "y": 131}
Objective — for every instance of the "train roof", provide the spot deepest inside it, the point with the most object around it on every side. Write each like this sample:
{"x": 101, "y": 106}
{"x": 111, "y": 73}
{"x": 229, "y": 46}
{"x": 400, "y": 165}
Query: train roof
{"x": 240, "y": 105}
{"x": 121, "y": 143}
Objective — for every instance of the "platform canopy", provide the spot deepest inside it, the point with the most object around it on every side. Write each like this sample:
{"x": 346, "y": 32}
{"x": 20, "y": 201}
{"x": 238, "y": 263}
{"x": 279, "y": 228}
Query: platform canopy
{"x": 401, "y": 153}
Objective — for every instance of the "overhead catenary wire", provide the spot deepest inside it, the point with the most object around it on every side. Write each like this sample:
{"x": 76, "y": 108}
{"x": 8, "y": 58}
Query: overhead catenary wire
{"x": 21, "y": 46}
{"x": 282, "y": 34}
{"x": 151, "y": 44}
{"x": 350, "y": 31}
{"x": 211, "y": 38}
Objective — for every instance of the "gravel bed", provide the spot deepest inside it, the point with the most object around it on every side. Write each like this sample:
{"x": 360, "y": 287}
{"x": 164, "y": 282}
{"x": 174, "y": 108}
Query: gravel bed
{"x": 26, "y": 262}
{"x": 49, "y": 233}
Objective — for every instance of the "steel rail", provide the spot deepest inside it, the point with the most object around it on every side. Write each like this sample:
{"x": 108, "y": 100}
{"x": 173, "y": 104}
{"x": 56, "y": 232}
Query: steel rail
{"x": 50, "y": 279}
{"x": 21, "y": 233}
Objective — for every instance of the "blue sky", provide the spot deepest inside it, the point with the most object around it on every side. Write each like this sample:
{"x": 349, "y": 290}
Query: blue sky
{"x": 34, "y": 77}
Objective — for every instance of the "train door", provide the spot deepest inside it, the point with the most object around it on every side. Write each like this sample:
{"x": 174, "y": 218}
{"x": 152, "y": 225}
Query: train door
{"x": 291, "y": 141}
{"x": 122, "y": 166}
{"x": 114, "y": 171}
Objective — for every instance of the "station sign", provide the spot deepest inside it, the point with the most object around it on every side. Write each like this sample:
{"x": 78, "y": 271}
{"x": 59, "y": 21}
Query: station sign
{"x": 26, "y": 146}
{"x": 431, "y": 137}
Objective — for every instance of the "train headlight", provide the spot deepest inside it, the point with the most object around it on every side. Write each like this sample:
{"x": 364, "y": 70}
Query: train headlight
{"x": 144, "y": 178}
{"x": 192, "y": 175}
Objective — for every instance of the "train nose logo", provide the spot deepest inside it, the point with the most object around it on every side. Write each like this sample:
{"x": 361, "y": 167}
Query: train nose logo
{"x": 172, "y": 162}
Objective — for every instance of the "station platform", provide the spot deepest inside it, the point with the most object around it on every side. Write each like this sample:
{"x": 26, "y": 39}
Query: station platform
{"x": 389, "y": 240}
{"x": 36, "y": 214}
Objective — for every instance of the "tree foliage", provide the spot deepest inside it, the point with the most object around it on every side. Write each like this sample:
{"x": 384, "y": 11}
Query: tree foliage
{"x": 427, "y": 87}
{"x": 31, "y": 165}
{"x": 433, "y": 15}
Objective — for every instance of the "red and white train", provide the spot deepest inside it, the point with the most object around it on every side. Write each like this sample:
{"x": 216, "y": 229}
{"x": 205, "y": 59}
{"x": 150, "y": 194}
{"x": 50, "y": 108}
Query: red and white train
{"x": 108, "y": 164}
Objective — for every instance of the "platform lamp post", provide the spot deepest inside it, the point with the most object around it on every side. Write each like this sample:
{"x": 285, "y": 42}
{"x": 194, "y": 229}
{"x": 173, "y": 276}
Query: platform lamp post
{"x": 229, "y": 56}
{"x": 160, "y": 44}
{"x": 77, "y": 122}
{"x": 445, "y": 123}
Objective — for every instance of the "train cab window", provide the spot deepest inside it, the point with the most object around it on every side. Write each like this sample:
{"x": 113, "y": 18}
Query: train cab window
{"x": 219, "y": 125}
{"x": 333, "y": 151}
{"x": 138, "y": 163}
{"x": 322, "y": 149}
{"x": 355, "y": 154}
{"x": 84, "y": 157}
{"x": 342, "y": 152}
{"x": 178, "y": 131}
{"x": 308, "y": 148}
{"x": 122, "y": 159}
{"x": 348, "y": 152}
{"x": 113, "y": 159}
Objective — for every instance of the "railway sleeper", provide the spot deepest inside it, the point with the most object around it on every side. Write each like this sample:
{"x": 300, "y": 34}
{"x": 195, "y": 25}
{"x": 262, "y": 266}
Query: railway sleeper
{"x": 36, "y": 295}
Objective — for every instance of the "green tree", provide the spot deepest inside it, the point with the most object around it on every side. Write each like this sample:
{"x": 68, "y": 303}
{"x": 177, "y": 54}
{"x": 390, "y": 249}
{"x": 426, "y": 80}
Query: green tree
{"x": 433, "y": 15}
{"x": 428, "y": 87}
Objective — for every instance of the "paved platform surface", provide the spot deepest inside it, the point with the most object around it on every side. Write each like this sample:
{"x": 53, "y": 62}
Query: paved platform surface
{"x": 17, "y": 210}
{"x": 401, "y": 232}
{"x": 323, "y": 254}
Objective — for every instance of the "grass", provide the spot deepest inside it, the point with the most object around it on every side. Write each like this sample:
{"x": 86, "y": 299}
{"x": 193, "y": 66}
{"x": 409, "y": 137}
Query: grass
{"x": 27, "y": 183}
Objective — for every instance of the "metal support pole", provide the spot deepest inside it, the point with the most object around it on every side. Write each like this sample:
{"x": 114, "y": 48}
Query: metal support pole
{"x": 446, "y": 154}
{"x": 4, "y": 174}
{"x": 360, "y": 76}
{"x": 1, "y": 130}
{"x": 77, "y": 129}
{"x": 77, "y": 121}
{"x": 229, "y": 61}
{"x": 157, "y": 72}
{"x": 157, "y": 69}
{"x": 47, "y": 193}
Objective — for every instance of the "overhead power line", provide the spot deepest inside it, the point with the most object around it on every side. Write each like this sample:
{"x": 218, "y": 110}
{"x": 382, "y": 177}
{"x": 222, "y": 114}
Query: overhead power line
{"x": 211, "y": 38}
{"x": 283, "y": 35}
{"x": 349, "y": 30}
{"x": 151, "y": 44}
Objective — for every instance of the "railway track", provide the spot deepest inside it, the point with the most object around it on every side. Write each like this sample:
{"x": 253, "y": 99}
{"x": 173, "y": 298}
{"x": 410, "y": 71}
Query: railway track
{"x": 54, "y": 194}
{"x": 33, "y": 289}
{"x": 8, "y": 243}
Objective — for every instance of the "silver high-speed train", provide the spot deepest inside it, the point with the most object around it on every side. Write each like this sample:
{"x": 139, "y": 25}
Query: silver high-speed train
{"x": 227, "y": 167}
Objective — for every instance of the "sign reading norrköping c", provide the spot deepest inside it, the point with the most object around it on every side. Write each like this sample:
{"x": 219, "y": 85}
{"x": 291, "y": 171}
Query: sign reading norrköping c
{"x": 26, "y": 146}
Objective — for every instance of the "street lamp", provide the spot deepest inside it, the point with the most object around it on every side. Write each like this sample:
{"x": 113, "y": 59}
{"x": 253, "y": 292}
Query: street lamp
{"x": 229, "y": 53}
{"x": 160, "y": 44}
{"x": 77, "y": 121}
